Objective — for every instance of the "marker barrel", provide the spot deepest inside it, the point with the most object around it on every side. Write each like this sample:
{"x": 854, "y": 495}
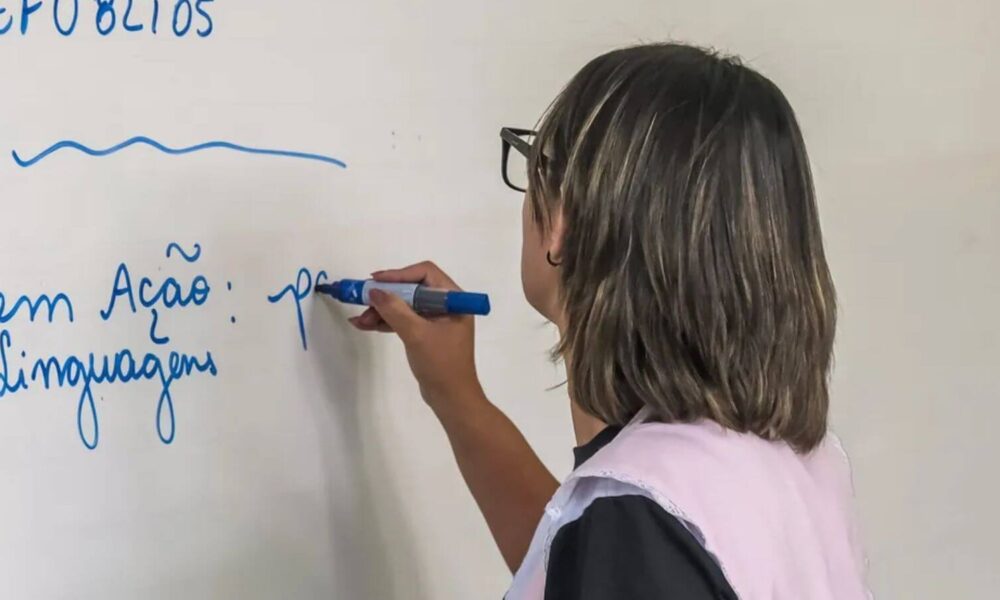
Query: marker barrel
{"x": 424, "y": 300}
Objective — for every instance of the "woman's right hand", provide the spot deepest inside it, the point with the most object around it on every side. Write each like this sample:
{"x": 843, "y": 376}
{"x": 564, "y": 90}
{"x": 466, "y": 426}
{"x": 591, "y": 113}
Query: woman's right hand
{"x": 440, "y": 350}
{"x": 508, "y": 481}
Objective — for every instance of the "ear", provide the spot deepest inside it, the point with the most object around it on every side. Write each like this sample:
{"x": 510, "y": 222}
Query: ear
{"x": 557, "y": 230}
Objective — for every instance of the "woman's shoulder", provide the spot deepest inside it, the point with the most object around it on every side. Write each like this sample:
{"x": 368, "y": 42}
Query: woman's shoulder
{"x": 672, "y": 453}
{"x": 740, "y": 496}
{"x": 628, "y": 546}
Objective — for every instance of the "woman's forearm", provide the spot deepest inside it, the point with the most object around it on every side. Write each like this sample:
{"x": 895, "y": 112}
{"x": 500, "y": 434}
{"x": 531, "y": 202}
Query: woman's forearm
{"x": 508, "y": 481}
{"x": 503, "y": 473}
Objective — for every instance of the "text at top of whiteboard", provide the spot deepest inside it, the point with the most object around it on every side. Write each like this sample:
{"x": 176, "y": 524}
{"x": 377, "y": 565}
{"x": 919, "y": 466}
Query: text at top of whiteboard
{"x": 107, "y": 17}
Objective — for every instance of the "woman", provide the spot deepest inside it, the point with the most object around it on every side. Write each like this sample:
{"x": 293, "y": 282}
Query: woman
{"x": 672, "y": 235}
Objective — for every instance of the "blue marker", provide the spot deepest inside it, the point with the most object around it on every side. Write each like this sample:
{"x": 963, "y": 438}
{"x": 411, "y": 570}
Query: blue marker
{"x": 424, "y": 300}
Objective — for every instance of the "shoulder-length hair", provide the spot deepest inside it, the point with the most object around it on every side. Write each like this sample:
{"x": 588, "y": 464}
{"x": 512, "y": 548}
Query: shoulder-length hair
{"x": 693, "y": 275}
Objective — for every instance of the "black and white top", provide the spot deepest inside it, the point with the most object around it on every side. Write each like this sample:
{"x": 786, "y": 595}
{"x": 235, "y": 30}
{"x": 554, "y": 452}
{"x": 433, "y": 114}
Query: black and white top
{"x": 629, "y": 548}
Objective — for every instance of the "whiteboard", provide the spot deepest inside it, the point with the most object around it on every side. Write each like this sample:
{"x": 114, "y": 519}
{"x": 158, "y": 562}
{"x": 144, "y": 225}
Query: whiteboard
{"x": 268, "y": 451}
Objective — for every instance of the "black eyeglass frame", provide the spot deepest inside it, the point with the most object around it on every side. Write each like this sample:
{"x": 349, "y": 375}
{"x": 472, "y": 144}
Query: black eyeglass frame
{"x": 512, "y": 137}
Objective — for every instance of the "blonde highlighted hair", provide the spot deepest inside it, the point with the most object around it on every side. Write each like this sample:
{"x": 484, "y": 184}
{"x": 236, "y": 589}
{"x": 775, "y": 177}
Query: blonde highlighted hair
{"x": 693, "y": 273}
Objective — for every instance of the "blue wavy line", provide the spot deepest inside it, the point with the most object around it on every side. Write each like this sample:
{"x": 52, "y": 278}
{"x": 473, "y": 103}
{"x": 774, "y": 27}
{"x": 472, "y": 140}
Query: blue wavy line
{"x": 193, "y": 257}
{"x": 172, "y": 151}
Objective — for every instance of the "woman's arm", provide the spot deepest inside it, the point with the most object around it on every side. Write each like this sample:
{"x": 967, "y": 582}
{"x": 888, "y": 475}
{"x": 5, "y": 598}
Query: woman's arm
{"x": 508, "y": 481}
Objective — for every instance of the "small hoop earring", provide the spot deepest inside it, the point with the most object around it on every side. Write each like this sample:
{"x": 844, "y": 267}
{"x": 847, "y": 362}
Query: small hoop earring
{"x": 548, "y": 257}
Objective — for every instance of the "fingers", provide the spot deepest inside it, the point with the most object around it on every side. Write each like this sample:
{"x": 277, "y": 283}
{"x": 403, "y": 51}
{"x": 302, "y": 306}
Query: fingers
{"x": 397, "y": 314}
{"x": 370, "y": 321}
{"x": 380, "y": 327}
{"x": 425, "y": 272}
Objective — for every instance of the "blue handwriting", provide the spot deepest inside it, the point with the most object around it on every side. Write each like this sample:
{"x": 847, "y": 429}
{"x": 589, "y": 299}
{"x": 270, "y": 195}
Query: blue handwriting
{"x": 131, "y": 16}
{"x": 192, "y": 257}
{"x": 299, "y": 290}
{"x": 168, "y": 295}
{"x": 35, "y": 306}
{"x": 84, "y": 372}
{"x": 27, "y": 162}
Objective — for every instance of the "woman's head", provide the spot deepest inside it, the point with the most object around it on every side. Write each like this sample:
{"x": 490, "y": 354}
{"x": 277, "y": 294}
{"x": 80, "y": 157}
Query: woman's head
{"x": 672, "y": 188}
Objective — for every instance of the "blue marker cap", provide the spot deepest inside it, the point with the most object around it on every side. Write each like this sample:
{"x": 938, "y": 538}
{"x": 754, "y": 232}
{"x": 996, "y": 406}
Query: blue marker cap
{"x": 467, "y": 303}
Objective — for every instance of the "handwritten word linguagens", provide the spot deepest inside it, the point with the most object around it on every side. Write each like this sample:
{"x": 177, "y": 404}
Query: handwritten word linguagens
{"x": 159, "y": 363}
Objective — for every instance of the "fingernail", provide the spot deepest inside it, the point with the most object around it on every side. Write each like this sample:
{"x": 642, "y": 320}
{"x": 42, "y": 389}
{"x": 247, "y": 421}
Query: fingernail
{"x": 376, "y": 296}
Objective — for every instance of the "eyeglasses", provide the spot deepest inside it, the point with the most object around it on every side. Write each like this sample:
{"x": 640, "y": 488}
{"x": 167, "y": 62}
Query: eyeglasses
{"x": 514, "y": 166}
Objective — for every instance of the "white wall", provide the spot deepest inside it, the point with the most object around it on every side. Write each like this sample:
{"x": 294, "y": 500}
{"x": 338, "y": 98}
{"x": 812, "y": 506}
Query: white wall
{"x": 321, "y": 474}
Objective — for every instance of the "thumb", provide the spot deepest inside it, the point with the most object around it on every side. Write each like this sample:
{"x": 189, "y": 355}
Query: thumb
{"x": 397, "y": 313}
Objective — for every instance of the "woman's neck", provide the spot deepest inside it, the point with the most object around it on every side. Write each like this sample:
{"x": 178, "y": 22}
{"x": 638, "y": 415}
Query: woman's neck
{"x": 584, "y": 426}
